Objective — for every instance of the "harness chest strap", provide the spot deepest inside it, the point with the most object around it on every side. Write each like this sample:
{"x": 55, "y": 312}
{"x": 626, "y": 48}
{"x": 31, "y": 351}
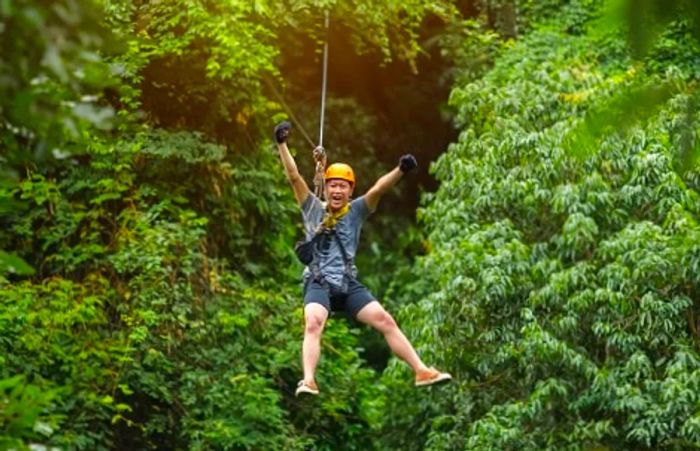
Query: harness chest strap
{"x": 346, "y": 259}
{"x": 316, "y": 268}
{"x": 328, "y": 226}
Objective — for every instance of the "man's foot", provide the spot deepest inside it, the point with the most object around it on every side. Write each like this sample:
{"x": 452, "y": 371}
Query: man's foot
{"x": 430, "y": 376}
{"x": 309, "y": 388}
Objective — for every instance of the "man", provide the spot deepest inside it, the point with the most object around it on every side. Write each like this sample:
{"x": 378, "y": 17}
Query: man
{"x": 330, "y": 279}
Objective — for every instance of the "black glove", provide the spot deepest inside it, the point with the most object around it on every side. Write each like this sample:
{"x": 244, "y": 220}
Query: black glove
{"x": 407, "y": 163}
{"x": 282, "y": 131}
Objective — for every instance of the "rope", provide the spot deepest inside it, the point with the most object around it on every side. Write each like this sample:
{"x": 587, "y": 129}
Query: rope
{"x": 319, "y": 176}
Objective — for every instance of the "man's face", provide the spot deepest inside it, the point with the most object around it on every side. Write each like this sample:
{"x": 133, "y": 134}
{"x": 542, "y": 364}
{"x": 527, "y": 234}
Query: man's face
{"x": 338, "y": 193}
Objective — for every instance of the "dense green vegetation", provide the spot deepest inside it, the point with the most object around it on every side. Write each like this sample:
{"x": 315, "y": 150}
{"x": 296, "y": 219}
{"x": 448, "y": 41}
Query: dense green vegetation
{"x": 149, "y": 297}
{"x": 563, "y": 291}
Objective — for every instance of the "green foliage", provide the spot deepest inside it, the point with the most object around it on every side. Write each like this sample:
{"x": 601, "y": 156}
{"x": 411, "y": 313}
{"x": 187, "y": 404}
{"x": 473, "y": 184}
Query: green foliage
{"x": 50, "y": 75}
{"x": 644, "y": 22}
{"x": 471, "y": 48}
{"x": 559, "y": 290}
{"x": 49, "y": 81}
{"x": 151, "y": 297}
{"x": 22, "y": 416}
{"x": 206, "y": 66}
{"x": 664, "y": 38}
{"x": 12, "y": 264}
{"x": 175, "y": 350}
{"x": 57, "y": 332}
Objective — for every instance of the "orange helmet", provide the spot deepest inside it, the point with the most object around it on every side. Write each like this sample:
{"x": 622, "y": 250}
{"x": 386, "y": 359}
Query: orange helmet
{"x": 340, "y": 171}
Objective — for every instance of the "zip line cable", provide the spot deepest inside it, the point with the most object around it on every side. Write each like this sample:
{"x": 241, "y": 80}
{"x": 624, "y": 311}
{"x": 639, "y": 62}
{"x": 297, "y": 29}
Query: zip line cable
{"x": 319, "y": 152}
{"x": 324, "y": 82}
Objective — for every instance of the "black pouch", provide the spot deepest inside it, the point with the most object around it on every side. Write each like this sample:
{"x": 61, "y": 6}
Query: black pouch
{"x": 305, "y": 251}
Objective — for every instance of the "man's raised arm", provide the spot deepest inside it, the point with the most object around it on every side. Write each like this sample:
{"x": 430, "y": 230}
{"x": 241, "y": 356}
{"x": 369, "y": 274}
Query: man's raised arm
{"x": 301, "y": 189}
{"x": 406, "y": 163}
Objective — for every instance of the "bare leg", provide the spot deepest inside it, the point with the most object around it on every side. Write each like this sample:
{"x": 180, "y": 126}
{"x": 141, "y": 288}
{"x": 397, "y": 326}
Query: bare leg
{"x": 374, "y": 315}
{"x": 314, "y": 319}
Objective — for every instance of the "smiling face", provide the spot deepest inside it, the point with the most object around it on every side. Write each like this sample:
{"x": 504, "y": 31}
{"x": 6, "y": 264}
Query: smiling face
{"x": 338, "y": 192}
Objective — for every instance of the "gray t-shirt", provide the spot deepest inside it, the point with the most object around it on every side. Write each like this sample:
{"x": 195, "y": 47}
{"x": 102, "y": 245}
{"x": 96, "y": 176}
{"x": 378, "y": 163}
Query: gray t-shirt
{"x": 348, "y": 228}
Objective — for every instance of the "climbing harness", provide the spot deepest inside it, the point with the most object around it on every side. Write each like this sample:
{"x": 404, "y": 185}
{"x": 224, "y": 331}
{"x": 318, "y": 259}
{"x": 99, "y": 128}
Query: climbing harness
{"x": 305, "y": 250}
{"x": 309, "y": 252}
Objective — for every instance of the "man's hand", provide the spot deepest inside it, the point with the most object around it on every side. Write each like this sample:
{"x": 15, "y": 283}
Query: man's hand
{"x": 282, "y": 131}
{"x": 407, "y": 163}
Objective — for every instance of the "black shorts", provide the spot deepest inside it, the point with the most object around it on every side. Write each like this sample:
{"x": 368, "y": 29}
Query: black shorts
{"x": 356, "y": 298}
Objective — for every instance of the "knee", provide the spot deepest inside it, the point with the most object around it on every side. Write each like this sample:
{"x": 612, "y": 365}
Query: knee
{"x": 384, "y": 322}
{"x": 313, "y": 325}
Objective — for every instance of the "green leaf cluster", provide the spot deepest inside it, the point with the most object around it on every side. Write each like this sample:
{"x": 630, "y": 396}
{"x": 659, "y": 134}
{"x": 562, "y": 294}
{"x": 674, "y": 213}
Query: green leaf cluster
{"x": 562, "y": 291}
{"x": 149, "y": 293}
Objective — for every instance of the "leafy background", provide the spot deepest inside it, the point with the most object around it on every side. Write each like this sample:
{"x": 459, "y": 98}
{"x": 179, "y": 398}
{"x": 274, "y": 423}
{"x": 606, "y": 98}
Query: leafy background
{"x": 149, "y": 296}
